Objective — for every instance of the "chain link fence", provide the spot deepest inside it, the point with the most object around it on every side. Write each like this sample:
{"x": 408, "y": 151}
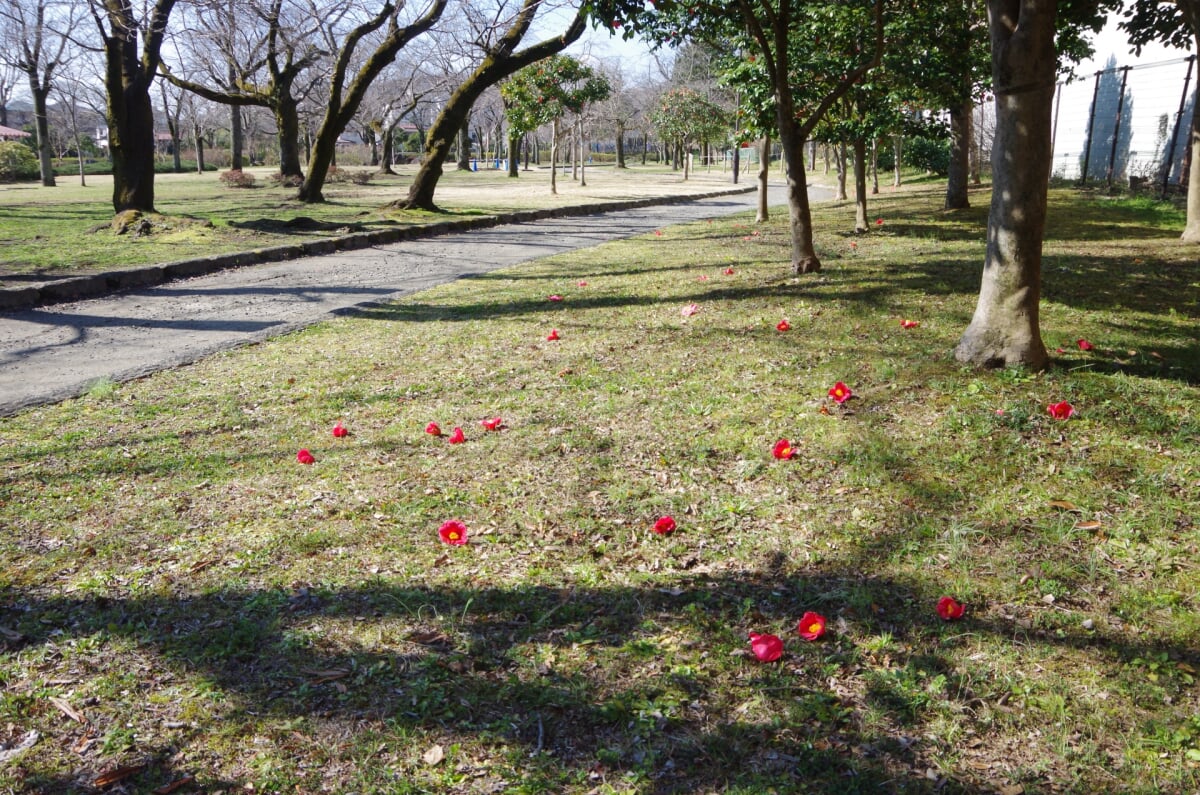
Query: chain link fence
{"x": 1128, "y": 124}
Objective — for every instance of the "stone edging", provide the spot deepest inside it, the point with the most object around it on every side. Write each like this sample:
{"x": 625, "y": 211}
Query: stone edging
{"x": 93, "y": 285}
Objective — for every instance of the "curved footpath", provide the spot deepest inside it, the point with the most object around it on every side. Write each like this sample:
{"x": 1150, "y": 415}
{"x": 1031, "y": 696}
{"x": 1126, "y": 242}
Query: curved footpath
{"x": 50, "y": 353}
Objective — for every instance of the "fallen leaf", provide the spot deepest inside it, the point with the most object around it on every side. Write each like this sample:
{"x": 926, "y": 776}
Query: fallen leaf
{"x": 27, "y": 741}
{"x": 1091, "y": 524}
{"x": 1063, "y": 505}
{"x": 434, "y": 755}
{"x": 117, "y": 774}
{"x": 1012, "y": 789}
{"x": 321, "y": 677}
{"x": 67, "y": 709}
{"x": 428, "y": 637}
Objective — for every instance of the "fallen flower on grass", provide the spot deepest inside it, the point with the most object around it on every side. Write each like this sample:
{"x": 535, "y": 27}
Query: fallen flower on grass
{"x": 840, "y": 392}
{"x": 433, "y": 429}
{"x": 909, "y": 323}
{"x": 702, "y": 277}
{"x": 767, "y": 648}
{"x": 783, "y": 450}
{"x": 689, "y": 310}
{"x": 305, "y": 457}
{"x": 553, "y": 335}
{"x": 457, "y": 436}
{"x": 811, "y": 626}
{"x": 783, "y": 325}
{"x": 453, "y": 532}
{"x": 729, "y": 271}
{"x": 1084, "y": 345}
{"x": 555, "y": 298}
{"x": 493, "y": 424}
{"x": 664, "y": 525}
{"x": 853, "y": 246}
{"x": 949, "y": 609}
{"x": 581, "y": 284}
{"x": 1061, "y": 411}
{"x": 339, "y": 431}
{"x": 658, "y": 233}
{"x": 878, "y": 222}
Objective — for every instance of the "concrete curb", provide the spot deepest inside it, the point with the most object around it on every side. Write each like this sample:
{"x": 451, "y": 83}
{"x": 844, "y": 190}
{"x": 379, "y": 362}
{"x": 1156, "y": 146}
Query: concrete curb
{"x": 94, "y": 285}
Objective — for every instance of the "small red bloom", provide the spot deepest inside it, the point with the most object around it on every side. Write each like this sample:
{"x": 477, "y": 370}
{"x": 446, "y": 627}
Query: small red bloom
{"x": 702, "y": 277}
{"x": 729, "y": 271}
{"x": 553, "y": 335}
{"x": 658, "y": 233}
{"x": 493, "y": 424}
{"x": 456, "y": 436}
{"x": 878, "y": 222}
{"x": 554, "y": 298}
{"x": 1061, "y": 411}
{"x": 339, "y": 431}
{"x": 1084, "y": 345}
{"x": 767, "y": 648}
{"x": 582, "y": 284}
{"x": 853, "y": 245}
{"x": 453, "y": 533}
{"x": 783, "y": 325}
{"x": 811, "y": 626}
{"x": 909, "y": 323}
{"x": 1059, "y": 350}
{"x": 949, "y": 609}
{"x": 305, "y": 457}
{"x": 783, "y": 450}
{"x": 840, "y": 392}
{"x": 433, "y": 430}
{"x": 689, "y": 310}
{"x": 664, "y": 525}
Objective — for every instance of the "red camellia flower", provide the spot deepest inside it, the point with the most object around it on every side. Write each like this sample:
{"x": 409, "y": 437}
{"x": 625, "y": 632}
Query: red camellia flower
{"x": 1061, "y": 411}
{"x": 949, "y": 609}
{"x": 729, "y": 271}
{"x": 305, "y": 457}
{"x": 453, "y": 533}
{"x": 783, "y": 325}
{"x": 783, "y": 450}
{"x": 840, "y": 392}
{"x": 853, "y": 245}
{"x": 339, "y": 431}
{"x": 554, "y": 298}
{"x": 1084, "y": 345}
{"x": 582, "y": 284}
{"x": 878, "y": 222}
{"x": 664, "y": 525}
{"x": 493, "y": 424}
{"x": 702, "y": 277}
{"x": 909, "y": 323}
{"x": 456, "y": 436}
{"x": 811, "y": 626}
{"x": 433, "y": 430}
{"x": 767, "y": 648}
{"x": 553, "y": 335}
{"x": 689, "y": 310}
{"x": 658, "y": 233}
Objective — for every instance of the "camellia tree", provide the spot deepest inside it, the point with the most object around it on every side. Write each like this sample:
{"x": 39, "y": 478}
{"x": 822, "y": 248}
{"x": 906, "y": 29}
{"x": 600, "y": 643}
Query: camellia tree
{"x": 543, "y": 93}
{"x": 685, "y": 117}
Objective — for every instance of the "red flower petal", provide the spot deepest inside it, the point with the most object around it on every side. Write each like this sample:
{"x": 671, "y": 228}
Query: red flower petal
{"x": 456, "y": 436}
{"x": 453, "y": 533}
{"x": 582, "y": 284}
{"x": 553, "y": 335}
{"x": 433, "y": 430}
{"x": 493, "y": 424}
{"x": 305, "y": 457}
{"x": 840, "y": 392}
{"x": 767, "y": 648}
{"x": 729, "y": 271}
{"x": 664, "y": 525}
{"x": 339, "y": 431}
{"x": 1061, "y": 411}
{"x": 658, "y": 233}
{"x": 949, "y": 609}
{"x": 878, "y": 222}
{"x": 811, "y": 626}
{"x": 784, "y": 325}
{"x": 554, "y": 298}
{"x": 783, "y": 450}
{"x": 689, "y": 310}
{"x": 1084, "y": 345}
{"x": 909, "y": 323}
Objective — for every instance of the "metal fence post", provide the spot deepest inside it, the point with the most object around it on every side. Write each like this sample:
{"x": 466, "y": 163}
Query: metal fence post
{"x": 1170, "y": 164}
{"x": 1112, "y": 156}
{"x": 1087, "y": 151}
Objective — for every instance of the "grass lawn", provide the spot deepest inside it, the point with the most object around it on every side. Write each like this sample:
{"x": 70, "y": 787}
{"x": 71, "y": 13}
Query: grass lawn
{"x": 180, "y": 597}
{"x": 52, "y": 232}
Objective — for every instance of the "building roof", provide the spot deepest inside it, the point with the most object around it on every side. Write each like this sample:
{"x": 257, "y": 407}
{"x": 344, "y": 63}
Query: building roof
{"x": 9, "y": 132}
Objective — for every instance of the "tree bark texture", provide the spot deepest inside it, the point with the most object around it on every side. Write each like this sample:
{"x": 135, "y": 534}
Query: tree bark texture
{"x": 960, "y": 156}
{"x": 860, "y": 185}
{"x": 1005, "y": 331}
{"x": 41, "y": 125}
{"x": 764, "y": 171}
{"x": 1191, "y": 232}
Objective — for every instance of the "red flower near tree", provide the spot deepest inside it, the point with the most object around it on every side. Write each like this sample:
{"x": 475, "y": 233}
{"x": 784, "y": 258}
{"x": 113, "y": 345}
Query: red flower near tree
{"x": 457, "y": 436}
{"x": 305, "y": 457}
{"x": 1061, "y": 411}
{"x": 909, "y": 323}
{"x": 949, "y": 609}
{"x": 840, "y": 392}
{"x": 553, "y": 335}
{"x": 339, "y": 431}
{"x": 767, "y": 648}
{"x": 878, "y": 222}
{"x": 433, "y": 430}
{"x": 783, "y": 325}
{"x": 664, "y": 525}
{"x": 1084, "y": 345}
{"x": 811, "y": 626}
{"x": 783, "y": 450}
{"x": 493, "y": 424}
{"x": 453, "y": 533}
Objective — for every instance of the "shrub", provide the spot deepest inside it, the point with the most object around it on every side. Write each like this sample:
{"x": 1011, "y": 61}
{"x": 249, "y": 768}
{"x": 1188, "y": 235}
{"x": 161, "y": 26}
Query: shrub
{"x": 928, "y": 153}
{"x": 290, "y": 181}
{"x": 358, "y": 177}
{"x": 17, "y": 161}
{"x": 237, "y": 179}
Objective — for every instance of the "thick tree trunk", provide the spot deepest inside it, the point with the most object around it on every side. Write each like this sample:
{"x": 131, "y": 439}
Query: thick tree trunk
{"x": 804, "y": 255}
{"x": 42, "y": 126}
{"x": 764, "y": 170}
{"x": 237, "y": 141}
{"x": 554, "y": 157}
{"x": 1005, "y": 329}
{"x": 287, "y": 121}
{"x": 1191, "y": 232}
{"x": 897, "y": 153}
{"x": 860, "y": 185}
{"x": 839, "y": 155}
{"x": 875, "y": 167}
{"x": 514, "y": 156}
{"x": 388, "y": 154}
{"x": 198, "y": 135}
{"x": 960, "y": 156}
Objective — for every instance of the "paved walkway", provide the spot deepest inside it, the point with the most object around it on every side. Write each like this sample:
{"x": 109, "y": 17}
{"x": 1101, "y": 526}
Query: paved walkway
{"x": 55, "y": 352}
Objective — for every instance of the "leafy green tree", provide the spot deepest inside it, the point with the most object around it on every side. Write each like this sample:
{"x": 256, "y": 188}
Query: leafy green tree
{"x": 544, "y": 92}
{"x": 685, "y": 117}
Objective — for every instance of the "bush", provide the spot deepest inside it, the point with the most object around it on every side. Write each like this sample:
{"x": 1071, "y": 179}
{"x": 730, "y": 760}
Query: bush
{"x": 17, "y": 162}
{"x": 290, "y": 181}
{"x": 929, "y": 154}
{"x": 342, "y": 175}
{"x": 237, "y": 179}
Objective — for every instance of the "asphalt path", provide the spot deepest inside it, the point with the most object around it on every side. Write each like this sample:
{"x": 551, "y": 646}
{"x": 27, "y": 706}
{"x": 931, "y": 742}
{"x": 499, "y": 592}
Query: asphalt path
{"x": 56, "y": 352}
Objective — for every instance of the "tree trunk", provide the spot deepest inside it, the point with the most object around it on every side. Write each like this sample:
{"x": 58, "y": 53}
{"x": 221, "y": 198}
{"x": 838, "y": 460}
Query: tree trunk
{"x": 875, "y": 167}
{"x": 514, "y": 156}
{"x": 804, "y": 254}
{"x": 237, "y": 141}
{"x": 464, "y": 144}
{"x": 839, "y": 157}
{"x": 960, "y": 156}
{"x": 764, "y": 169}
{"x": 1005, "y": 329}
{"x": 1191, "y": 232}
{"x": 554, "y": 157}
{"x": 897, "y": 151}
{"x": 620, "y": 144}
{"x": 42, "y": 126}
{"x": 388, "y": 137}
{"x": 860, "y": 185}
{"x": 199, "y": 136}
